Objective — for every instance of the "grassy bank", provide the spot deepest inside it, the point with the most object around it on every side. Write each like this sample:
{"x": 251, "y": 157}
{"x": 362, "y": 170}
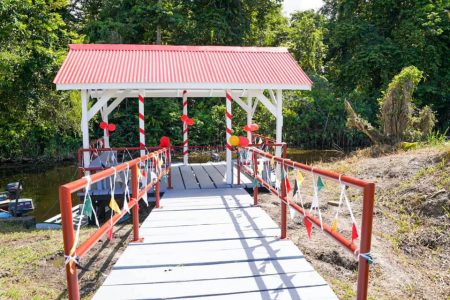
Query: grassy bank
{"x": 411, "y": 240}
{"x": 32, "y": 261}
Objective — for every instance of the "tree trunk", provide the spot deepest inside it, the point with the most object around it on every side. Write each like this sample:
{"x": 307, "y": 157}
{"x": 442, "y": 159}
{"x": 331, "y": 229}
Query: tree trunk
{"x": 355, "y": 121}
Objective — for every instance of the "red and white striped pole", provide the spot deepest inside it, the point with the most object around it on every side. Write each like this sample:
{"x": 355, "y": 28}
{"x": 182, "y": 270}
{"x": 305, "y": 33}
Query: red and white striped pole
{"x": 229, "y": 117}
{"x": 185, "y": 131}
{"x": 141, "y": 124}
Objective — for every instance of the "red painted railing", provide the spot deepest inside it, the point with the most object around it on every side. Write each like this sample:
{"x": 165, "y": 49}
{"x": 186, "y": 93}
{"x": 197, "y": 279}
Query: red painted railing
{"x": 65, "y": 198}
{"x": 368, "y": 189}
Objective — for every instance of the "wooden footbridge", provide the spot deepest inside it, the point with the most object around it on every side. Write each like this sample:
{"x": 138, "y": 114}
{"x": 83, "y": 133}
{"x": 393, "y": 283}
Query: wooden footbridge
{"x": 208, "y": 239}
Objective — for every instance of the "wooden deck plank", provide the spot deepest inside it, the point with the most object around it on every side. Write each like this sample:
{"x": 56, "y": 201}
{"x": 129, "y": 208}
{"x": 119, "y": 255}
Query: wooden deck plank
{"x": 202, "y": 177}
{"x": 301, "y": 285}
{"x": 212, "y": 244}
{"x": 188, "y": 177}
{"x": 199, "y": 272}
{"x": 221, "y": 167}
{"x": 217, "y": 177}
{"x": 177, "y": 181}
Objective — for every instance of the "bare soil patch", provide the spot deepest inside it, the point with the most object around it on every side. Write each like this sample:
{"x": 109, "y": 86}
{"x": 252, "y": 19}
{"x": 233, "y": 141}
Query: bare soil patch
{"x": 411, "y": 240}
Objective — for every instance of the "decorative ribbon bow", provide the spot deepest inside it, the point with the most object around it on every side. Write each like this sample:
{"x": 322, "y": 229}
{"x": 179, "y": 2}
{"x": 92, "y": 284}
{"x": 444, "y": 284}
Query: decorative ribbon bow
{"x": 108, "y": 127}
{"x": 187, "y": 120}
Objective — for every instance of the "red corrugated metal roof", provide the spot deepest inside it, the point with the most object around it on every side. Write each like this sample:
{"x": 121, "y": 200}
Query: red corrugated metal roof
{"x": 92, "y": 66}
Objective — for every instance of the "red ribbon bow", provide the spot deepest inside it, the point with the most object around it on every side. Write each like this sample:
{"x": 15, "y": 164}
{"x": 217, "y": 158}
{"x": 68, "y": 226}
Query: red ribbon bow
{"x": 187, "y": 120}
{"x": 108, "y": 127}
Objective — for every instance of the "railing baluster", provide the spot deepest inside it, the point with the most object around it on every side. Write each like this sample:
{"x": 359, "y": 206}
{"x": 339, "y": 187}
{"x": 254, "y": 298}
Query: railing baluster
{"x": 65, "y": 201}
{"x": 168, "y": 164}
{"x": 135, "y": 209}
{"x": 283, "y": 202}
{"x": 255, "y": 172}
{"x": 238, "y": 167}
{"x": 157, "y": 196}
{"x": 366, "y": 239}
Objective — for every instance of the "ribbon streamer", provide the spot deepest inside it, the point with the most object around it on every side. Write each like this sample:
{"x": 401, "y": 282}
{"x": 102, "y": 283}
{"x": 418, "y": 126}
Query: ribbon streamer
{"x": 315, "y": 205}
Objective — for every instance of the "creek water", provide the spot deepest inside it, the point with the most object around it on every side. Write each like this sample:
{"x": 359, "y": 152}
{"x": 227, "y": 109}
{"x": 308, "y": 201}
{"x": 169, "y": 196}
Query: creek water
{"x": 41, "y": 182}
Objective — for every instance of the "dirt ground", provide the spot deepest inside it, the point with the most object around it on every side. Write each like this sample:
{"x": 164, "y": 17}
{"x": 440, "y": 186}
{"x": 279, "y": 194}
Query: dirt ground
{"x": 411, "y": 239}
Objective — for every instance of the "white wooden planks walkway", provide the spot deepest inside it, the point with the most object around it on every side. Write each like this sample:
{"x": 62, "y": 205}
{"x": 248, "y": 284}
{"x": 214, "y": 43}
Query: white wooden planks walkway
{"x": 204, "y": 176}
{"x": 212, "y": 244}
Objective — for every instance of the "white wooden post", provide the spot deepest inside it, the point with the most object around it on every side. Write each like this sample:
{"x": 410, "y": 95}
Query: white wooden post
{"x": 85, "y": 127}
{"x": 229, "y": 131}
{"x": 185, "y": 131}
{"x": 141, "y": 122}
{"x": 104, "y": 113}
{"x": 249, "y": 116}
{"x": 279, "y": 116}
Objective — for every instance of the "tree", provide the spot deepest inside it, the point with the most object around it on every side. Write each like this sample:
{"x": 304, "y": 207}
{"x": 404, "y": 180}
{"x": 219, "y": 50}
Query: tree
{"x": 34, "y": 118}
{"x": 397, "y": 118}
{"x": 371, "y": 41}
{"x": 306, "y": 35}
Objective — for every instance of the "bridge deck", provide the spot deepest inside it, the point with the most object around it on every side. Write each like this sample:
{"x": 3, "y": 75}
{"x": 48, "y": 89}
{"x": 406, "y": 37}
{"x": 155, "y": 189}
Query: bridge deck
{"x": 204, "y": 176}
{"x": 212, "y": 244}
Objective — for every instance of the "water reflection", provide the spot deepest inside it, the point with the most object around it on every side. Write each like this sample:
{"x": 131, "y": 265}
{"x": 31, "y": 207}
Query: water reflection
{"x": 41, "y": 183}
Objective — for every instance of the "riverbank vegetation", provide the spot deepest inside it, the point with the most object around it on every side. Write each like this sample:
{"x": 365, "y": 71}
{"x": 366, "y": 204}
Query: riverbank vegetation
{"x": 350, "y": 49}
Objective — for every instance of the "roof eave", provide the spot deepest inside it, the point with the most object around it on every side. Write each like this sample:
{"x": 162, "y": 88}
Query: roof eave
{"x": 180, "y": 86}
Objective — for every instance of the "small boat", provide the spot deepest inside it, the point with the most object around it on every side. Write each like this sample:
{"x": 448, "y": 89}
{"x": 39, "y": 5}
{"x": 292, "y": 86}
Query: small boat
{"x": 24, "y": 205}
{"x": 10, "y": 200}
{"x": 4, "y": 201}
{"x": 5, "y": 214}
{"x": 55, "y": 222}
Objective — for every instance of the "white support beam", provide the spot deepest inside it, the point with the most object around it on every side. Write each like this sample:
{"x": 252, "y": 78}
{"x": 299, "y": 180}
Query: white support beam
{"x": 175, "y": 93}
{"x": 240, "y": 102}
{"x": 279, "y": 128}
{"x": 114, "y": 104}
{"x": 100, "y": 103}
{"x": 272, "y": 97}
{"x": 85, "y": 126}
{"x": 104, "y": 115}
{"x": 266, "y": 102}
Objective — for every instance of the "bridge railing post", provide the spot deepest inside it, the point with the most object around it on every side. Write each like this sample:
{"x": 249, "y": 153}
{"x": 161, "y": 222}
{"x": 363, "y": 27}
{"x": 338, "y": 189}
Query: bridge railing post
{"x": 238, "y": 161}
{"x": 255, "y": 173}
{"x": 157, "y": 194}
{"x": 135, "y": 209}
{"x": 283, "y": 203}
{"x": 168, "y": 165}
{"x": 65, "y": 197}
{"x": 366, "y": 239}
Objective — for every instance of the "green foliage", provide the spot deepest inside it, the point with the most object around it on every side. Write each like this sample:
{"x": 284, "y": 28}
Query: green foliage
{"x": 399, "y": 121}
{"x": 395, "y": 105}
{"x": 35, "y": 120}
{"x": 437, "y": 138}
{"x": 306, "y": 39}
{"x": 371, "y": 41}
{"x": 350, "y": 49}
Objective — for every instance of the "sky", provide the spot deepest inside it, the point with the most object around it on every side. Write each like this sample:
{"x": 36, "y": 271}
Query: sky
{"x": 290, "y": 6}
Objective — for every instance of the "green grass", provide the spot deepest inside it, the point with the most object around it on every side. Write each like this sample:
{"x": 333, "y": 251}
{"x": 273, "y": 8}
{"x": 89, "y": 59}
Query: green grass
{"x": 31, "y": 261}
{"x": 343, "y": 289}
